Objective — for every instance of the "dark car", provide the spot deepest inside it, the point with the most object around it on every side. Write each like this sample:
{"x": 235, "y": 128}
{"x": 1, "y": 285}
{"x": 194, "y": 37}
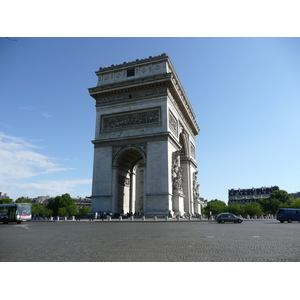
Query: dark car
{"x": 228, "y": 217}
{"x": 288, "y": 214}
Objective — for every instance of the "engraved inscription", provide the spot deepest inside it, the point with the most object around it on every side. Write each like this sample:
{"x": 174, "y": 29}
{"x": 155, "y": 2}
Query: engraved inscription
{"x": 131, "y": 120}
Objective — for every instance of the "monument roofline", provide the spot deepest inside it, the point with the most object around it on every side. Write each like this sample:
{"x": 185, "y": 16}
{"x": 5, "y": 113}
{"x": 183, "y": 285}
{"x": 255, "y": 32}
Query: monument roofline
{"x": 132, "y": 63}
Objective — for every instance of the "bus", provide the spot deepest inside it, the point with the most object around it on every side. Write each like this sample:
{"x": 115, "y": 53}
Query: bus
{"x": 16, "y": 212}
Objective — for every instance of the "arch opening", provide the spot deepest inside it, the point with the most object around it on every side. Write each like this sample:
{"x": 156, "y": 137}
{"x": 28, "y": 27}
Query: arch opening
{"x": 130, "y": 182}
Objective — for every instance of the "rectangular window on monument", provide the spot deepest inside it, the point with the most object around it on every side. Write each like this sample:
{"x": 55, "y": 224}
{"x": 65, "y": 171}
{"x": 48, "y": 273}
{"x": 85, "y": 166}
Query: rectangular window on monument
{"x": 130, "y": 72}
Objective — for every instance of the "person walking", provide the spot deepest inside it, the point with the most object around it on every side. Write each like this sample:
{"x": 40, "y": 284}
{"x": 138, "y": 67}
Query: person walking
{"x": 209, "y": 216}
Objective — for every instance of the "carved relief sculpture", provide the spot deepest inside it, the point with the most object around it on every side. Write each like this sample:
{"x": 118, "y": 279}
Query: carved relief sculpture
{"x": 196, "y": 186}
{"x": 176, "y": 172}
{"x": 129, "y": 120}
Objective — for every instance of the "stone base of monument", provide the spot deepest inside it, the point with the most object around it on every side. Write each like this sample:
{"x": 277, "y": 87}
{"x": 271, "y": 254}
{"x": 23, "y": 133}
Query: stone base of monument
{"x": 178, "y": 204}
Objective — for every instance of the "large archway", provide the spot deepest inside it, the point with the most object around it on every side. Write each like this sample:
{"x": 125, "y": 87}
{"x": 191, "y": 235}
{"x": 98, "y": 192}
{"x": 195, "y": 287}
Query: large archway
{"x": 130, "y": 168}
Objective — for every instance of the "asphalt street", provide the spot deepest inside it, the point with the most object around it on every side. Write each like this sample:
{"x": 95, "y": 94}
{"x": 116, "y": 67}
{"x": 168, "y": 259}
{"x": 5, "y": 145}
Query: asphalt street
{"x": 150, "y": 241}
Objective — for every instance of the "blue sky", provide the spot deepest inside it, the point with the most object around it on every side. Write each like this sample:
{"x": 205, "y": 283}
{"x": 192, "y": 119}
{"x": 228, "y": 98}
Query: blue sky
{"x": 245, "y": 93}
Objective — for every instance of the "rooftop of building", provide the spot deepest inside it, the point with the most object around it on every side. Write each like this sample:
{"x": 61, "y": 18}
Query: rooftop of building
{"x": 249, "y": 191}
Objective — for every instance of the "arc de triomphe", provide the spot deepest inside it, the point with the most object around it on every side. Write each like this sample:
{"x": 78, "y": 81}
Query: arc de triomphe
{"x": 144, "y": 147}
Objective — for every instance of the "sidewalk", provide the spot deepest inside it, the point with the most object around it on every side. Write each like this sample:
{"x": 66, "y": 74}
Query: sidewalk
{"x": 143, "y": 220}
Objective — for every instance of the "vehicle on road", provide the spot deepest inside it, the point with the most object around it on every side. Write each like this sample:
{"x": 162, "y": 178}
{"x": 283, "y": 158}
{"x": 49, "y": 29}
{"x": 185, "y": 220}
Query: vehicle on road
{"x": 228, "y": 217}
{"x": 16, "y": 212}
{"x": 288, "y": 214}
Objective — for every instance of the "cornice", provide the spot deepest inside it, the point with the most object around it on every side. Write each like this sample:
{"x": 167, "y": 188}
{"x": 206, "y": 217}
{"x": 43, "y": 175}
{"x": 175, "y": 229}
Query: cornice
{"x": 184, "y": 107}
{"x": 132, "y": 139}
{"x": 132, "y": 63}
{"x": 133, "y": 84}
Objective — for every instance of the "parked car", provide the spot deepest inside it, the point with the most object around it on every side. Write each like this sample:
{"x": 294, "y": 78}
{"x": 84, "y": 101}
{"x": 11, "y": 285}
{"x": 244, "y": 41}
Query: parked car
{"x": 228, "y": 217}
{"x": 288, "y": 214}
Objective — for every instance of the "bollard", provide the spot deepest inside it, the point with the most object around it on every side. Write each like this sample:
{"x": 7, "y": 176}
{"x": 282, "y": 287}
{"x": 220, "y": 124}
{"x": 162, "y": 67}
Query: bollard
{"x": 108, "y": 218}
{"x": 51, "y": 218}
{"x": 200, "y": 218}
{"x": 57, "y": 218}
{"x": 73, "y": 218}
{"x": 166, "y": 218}
{"x": 131, "y": 218}
{"x": 189, "y": 218}
{"x": 65, "y": 218}
{"x": 178, "y": 218}
{"x": 155, "y": 218}
{"x": 143, "y": 218}
{"x": 120, "y": 218}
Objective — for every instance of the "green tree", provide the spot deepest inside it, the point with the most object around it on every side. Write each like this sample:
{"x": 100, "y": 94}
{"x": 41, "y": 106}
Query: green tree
{"x": 40, "y": 210}
{"x": 83, "y": 211}
{"x": 215, "y": 207}
{"x": 72, "y": 209}
{"x": 23, "y": 200}
{"x": 62, "y": 212}
{"x": 62, "y": 205}
{"x": 235, "y": 208}
{"x": 253, "y": 209}
{"x": 279, "y": 198}
{"x": 6, "y": 201}
{"x": 295, "y": 203}
{"x": 282, "y": 196}
{"x": 270, "y": 205}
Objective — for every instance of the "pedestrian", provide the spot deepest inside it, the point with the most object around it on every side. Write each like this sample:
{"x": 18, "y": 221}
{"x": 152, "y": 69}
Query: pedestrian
{"x": 209, "y": 216}
{"x": 96, "y": 215}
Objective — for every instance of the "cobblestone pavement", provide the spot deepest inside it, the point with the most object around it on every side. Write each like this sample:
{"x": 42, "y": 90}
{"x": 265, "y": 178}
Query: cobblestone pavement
{"x": 150, "y": 241}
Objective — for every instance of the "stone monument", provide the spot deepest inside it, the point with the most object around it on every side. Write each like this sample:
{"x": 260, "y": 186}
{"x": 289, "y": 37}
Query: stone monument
{"x": 144, "y": 147}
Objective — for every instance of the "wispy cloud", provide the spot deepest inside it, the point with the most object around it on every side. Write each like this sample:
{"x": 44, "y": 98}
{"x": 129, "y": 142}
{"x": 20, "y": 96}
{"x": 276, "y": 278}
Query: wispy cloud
{"x": 19, "y": 159}
{"x": 46, "y": 114}
{"x": 43, "y": 188}
{"x": 20, "y": 166}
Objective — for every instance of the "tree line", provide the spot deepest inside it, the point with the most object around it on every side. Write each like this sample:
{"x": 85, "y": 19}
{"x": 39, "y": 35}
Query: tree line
{"x": 278, "y": 199}
{"x": 62, "y": 206}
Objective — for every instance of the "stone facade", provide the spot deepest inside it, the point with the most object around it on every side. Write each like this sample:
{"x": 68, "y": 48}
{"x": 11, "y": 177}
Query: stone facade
{"x": 295, "y": 195}
{"x": 243, "y": 196}
{"x": 144, "y": 147}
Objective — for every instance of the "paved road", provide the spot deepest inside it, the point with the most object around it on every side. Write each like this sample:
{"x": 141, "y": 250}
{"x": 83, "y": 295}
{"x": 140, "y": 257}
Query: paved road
{"x": 161, "y": 241}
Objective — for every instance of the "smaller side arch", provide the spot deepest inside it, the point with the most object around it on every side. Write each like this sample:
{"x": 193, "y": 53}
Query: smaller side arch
{"x": 184, "y": 142}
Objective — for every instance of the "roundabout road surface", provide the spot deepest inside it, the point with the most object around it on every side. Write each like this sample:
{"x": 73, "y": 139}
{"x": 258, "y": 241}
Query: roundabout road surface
{"x": 150, "y": 241}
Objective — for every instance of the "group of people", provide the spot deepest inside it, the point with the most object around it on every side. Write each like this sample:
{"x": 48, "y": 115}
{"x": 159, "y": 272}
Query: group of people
{"x": 103, "y": 215}
{"x": 129, "y": 214}
{"x": 99, "y": 215}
